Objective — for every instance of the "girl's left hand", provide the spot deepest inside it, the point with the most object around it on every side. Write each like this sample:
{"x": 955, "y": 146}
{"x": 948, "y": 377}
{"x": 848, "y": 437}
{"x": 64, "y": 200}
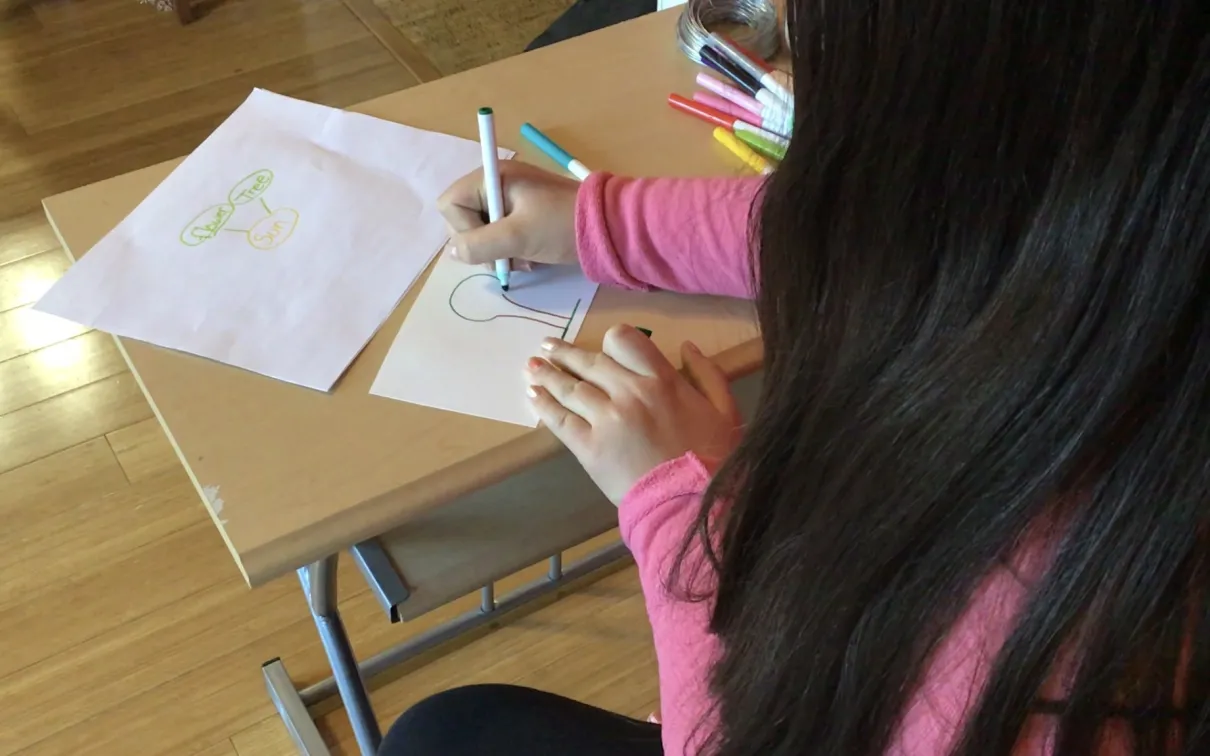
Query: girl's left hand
{"x": 625, "y": 410}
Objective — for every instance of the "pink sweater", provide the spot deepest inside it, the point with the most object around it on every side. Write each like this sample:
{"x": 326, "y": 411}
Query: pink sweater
{"x": 690, "y": 235}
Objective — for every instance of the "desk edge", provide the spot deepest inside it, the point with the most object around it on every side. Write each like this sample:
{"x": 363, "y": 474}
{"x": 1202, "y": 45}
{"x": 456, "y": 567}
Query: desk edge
{"x": 382, "y": 514}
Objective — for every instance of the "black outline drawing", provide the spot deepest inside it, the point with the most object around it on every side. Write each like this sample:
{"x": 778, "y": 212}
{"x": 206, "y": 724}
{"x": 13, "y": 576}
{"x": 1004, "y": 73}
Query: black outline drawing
{"x": 506, "y": 298}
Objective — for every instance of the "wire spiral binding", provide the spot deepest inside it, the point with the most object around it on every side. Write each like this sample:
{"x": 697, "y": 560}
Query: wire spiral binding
{"x": 756, "y": 22}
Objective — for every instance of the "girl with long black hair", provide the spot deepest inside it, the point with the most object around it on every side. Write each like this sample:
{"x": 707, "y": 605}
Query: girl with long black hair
{"x": 970, "y": 515}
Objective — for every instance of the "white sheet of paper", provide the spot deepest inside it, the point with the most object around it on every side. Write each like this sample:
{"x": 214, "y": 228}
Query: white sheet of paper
{"x": 280, "y": 245}
{"x": 464, "y": 343}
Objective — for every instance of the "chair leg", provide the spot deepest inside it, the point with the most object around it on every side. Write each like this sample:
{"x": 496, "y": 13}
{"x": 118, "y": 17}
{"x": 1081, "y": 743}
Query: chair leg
{"x": 184, "y": 10}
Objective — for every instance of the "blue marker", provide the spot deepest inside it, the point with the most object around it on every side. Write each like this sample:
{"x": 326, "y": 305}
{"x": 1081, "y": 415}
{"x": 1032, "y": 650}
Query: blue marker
{"x": 554, "y": 151}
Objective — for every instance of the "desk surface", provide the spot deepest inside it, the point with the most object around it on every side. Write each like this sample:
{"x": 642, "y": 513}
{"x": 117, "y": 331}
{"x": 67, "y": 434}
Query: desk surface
{"x": 289, "y": 474}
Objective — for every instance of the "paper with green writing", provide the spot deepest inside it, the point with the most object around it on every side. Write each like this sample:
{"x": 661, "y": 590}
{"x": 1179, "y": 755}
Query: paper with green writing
{"x": 279, "y": 246}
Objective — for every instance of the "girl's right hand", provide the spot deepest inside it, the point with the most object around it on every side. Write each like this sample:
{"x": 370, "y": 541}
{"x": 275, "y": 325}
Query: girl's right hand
{"x": 539, "y": 224}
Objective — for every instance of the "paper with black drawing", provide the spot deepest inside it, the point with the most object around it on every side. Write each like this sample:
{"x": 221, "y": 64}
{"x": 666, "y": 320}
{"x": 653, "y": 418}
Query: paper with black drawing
{"x": 464, "y": 343}
{"x": 279, "y": 246}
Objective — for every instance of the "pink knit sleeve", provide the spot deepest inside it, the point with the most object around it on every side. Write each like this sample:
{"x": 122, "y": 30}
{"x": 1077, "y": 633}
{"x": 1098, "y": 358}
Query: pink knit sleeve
{"x": 680, "y": 234}
{"x": 655, "y": 517}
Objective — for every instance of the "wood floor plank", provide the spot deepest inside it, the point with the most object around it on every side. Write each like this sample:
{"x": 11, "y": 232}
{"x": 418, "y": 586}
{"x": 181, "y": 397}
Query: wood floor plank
{"x": 122, "y": 522}
{"x": 195, "y": 632}
{"x": 240, "y": 36}
{"x": 408, "y": 55}
{"x": 22, "y": 330}
{"x": 11, "y": 133}
{"x": 356, "y": 72}
{"x": 208, "y": 102}
{"x": 85, "y": 607}
{"x": 32, "y": 493}
{"x": 67, "y": 23}
{"x": 17, "y": 19}
{"x": 25, "y": 236}
{"x": 222, "y": 748}
{"x": 337, "y": 66}
{"x": 69, "y": 419}
{"x": 201, "y": 652}
{"x": 267, "y": 737}
{"x": 25, "y": 281}
{"x": 143, "y": 450}
{"x": 57, "y": 369}
{"x": 86, "y": 151}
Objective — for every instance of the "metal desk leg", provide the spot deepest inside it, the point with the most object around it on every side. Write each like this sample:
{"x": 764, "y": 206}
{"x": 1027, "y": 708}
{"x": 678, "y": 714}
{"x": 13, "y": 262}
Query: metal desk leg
{"x": 319, "y": 585}
{"x": 292, "y": 710}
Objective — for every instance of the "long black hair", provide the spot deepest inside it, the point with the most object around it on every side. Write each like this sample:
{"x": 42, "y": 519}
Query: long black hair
{"x": 983, "y": 276}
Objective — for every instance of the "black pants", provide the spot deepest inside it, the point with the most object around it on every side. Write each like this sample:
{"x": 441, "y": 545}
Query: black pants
{"x": 503, "y": 720}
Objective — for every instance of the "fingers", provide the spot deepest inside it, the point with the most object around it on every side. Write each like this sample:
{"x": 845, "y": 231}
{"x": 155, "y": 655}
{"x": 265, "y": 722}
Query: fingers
{"x": 567, "y": 426}
{"x": 490, "y": 242}
{"x": 594, "y": 367}
{"x": 625, "y": 352}
{"x": 463, "y": 204}
{"x": 580, "y": 397}
{"x": 538, "y": 223}
{"x": 709, "y": 380}
{"x": 635, "y": 352}
{"x": 472, "y": 240}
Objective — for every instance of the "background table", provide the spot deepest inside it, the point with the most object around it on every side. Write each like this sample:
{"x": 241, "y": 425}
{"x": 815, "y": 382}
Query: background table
{"x": 433, "y": 503}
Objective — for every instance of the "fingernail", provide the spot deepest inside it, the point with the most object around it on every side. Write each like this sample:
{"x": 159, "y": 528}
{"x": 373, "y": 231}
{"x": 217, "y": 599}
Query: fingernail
{"x": 548, "y": 345}
{"x": 453, "y": 251}
{"x": 531, "y": 392}
{"x": 693, "y": 347}
{"x": 533, "y": 364}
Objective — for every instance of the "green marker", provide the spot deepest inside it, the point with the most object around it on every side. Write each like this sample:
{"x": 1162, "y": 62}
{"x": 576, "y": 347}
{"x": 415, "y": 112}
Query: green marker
{"x": 762, "y": 145}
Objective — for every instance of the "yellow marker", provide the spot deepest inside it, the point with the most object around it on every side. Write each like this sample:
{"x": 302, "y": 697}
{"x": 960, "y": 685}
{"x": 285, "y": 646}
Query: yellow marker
{"x": 743, "y": 151}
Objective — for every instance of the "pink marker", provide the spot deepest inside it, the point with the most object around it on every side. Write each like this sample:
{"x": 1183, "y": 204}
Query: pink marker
{"x": 774, "y": 122}
{"x": 730, "y": 108}
{"x": 728, "y": 92}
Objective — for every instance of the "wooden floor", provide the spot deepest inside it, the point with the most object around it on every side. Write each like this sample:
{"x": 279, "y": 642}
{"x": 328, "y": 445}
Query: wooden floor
{"x": 125, "y": 627}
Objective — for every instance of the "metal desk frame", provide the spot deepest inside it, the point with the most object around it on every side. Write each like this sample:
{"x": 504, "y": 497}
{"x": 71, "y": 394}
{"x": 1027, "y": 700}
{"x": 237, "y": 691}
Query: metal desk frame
{"x": 349, "y": 676}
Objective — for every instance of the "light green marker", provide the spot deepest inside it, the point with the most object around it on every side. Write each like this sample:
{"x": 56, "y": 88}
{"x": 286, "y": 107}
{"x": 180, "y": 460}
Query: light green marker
{"x": 762, "y": 145}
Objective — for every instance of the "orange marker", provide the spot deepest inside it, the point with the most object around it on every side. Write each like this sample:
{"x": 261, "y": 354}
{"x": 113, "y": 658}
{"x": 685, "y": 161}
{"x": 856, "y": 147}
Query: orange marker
{"x": 716, "y": 116}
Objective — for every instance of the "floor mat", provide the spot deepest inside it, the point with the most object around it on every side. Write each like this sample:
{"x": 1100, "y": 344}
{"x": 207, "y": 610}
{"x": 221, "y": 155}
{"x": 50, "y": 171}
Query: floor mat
{"x": 456, "y": 35}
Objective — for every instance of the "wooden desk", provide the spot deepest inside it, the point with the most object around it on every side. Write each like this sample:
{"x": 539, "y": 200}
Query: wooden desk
{"x": 292, "y": 476}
